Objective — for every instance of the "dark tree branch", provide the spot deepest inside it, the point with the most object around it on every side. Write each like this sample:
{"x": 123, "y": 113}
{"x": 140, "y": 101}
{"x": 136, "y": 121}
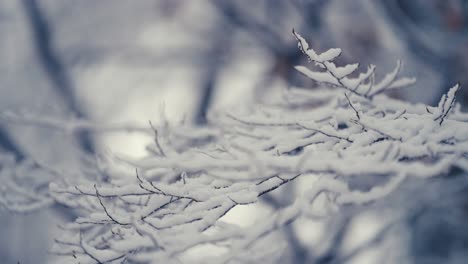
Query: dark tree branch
{"x": 8, "y": 145}
{"x": 53, "y": 66}
{"x": 211, "y": 72}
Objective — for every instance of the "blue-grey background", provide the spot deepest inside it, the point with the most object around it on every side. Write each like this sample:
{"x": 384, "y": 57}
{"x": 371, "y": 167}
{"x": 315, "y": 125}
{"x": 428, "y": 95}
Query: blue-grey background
{"x": 123, "y": 61}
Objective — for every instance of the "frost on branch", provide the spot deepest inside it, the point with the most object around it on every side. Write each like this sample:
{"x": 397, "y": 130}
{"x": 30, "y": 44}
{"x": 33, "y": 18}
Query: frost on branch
{"x": 24, "y": 185}
{"x": 364, "y": 85}
{"x": 446, "y": 104}
{"x": 359, "y": 146}
{"x": 25, "y": 181}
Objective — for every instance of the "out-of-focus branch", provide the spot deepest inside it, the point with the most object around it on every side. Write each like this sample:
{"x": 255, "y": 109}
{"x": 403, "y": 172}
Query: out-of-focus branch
{"x": 52, "y": 64}
{"x": 285, "y": 54}
{"x": 335, "y": 244}
{"x": 262, "y": 32}
{"x": 211, "y": 71}
{"x": 8, "y": 145}
{"x": 403, "y": 17}
{"x": 73, "y": 126}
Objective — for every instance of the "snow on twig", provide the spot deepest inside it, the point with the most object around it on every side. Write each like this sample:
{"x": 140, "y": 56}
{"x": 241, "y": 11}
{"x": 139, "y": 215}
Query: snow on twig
{"x": 181, "y": 193}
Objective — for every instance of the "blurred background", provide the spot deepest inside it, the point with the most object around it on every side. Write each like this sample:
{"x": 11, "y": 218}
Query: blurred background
{"x": 113, "y": 61}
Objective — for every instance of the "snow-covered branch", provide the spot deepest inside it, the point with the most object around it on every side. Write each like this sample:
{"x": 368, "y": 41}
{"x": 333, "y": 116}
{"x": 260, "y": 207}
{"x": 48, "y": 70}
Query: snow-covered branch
{"x": 364, "y": 85}
{"x": 359, "y": 145}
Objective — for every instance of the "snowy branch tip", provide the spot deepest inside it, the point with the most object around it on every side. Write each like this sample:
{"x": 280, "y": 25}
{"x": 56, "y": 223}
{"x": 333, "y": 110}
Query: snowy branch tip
{"x": 364, "y": 85}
